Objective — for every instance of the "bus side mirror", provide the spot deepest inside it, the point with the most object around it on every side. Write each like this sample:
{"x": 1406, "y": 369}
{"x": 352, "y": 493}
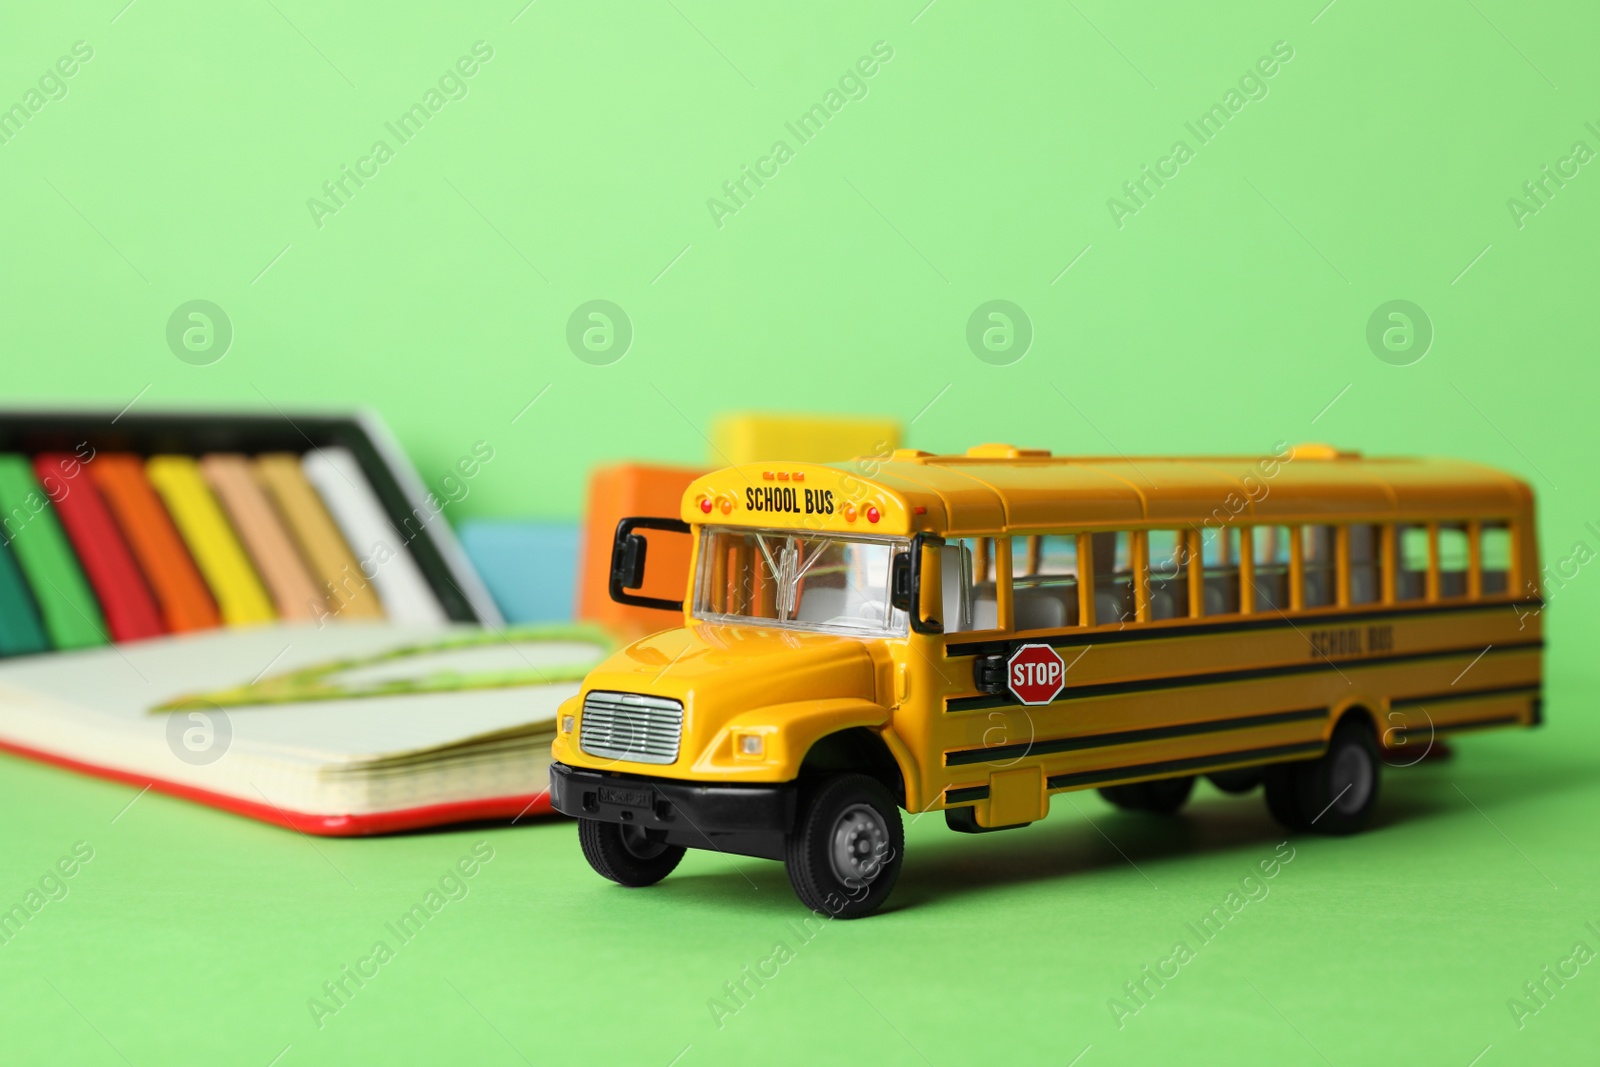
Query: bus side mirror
{"x": 627, "y": 560}
{"x": 915, "y": 586}
{"x": 900, "y": 582}
{"x": 628, "y": 552}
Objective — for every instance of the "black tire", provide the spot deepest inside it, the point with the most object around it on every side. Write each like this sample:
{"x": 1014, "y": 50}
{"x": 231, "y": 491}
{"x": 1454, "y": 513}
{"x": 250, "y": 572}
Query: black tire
{"x": 1164, "y": 796}
{"x": 1334, "y": 794}
{"x": 1281, "y": 799}
{"x": 1238, "y": 782}
{"x": 628, "y": 855}
{"x": 847, "y": 846}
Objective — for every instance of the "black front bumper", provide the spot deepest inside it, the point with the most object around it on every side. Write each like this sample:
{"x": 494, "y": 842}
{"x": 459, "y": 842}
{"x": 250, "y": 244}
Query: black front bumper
{"x": 751, "y": 820}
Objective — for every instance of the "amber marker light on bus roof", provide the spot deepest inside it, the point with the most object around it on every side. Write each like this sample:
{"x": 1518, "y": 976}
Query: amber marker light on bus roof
{"x": 849, "y": 513}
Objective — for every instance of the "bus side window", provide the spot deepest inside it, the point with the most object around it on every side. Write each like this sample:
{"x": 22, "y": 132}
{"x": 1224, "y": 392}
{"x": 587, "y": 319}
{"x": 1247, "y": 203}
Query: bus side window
{"x": 1494, "y": 558}
{"x": 1317, "y": 554}
{"x": 1044, "y": 584}
{"x": 1366, "y": 564}
{"x": 1219, "y": 559}
{"x": 1271, "y": 580}
{"x": 1169, "y": 574}
{"x": 1411, "y": 576}
{"x": 1113, "y": 579}
{"x": 1452, "y": 559}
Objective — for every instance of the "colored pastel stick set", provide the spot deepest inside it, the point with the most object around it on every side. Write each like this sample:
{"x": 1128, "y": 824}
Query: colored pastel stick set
{"x": 350, "y": 593}
{"x": 21, "y": 629}
{"x": 295, "y": 593}
{"x": 336, "y": 476}
{"x": 101, "y": 546}
{"x": 216, "y": 547}
{"x": 130, "y": 609}
{"x": 185, "y": 600}
{"x": 67, "y": 606}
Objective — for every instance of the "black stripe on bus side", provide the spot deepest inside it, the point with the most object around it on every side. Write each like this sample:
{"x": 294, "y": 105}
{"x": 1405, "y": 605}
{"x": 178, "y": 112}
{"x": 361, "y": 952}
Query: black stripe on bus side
{"x": 966, "y": 795}
{"x": 1477, "y": 724}
{"x": 1139, "y": 632}
{"x": 962, "y": 757}
{"x": 1467, "y": 694}
{"x": 1178, "y": 681}
{"x": 1171, "y": 766}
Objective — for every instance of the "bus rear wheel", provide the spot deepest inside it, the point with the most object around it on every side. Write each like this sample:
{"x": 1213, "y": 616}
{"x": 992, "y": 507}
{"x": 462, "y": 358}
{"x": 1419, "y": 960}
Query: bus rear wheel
{"x": 845, "y": 852}
{"x": 1164, "y": 796}
{"x": 1334, "y": 794}
{"x": 628, "y": 855}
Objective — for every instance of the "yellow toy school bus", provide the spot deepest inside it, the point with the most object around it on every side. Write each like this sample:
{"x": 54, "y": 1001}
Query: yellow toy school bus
{"x": 975, "y": 633}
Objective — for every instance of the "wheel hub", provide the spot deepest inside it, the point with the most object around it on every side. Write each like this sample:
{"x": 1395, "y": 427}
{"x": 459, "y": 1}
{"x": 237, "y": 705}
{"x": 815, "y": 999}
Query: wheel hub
{"x": 639, "y": 843}
{"x": 1351, "y": 780}
{"x": 859, "y": 844}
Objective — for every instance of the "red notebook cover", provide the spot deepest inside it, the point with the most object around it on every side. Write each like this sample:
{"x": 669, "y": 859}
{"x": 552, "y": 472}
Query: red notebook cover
{"x": 347, "y": 730}
{"x": 491, "y": 809}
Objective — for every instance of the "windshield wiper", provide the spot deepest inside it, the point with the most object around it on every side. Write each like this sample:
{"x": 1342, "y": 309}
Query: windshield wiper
{"x": 787, "y": 573}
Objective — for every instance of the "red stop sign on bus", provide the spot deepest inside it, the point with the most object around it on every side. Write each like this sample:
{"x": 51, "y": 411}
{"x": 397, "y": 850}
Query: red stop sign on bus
{"x": 1035, "y": 674}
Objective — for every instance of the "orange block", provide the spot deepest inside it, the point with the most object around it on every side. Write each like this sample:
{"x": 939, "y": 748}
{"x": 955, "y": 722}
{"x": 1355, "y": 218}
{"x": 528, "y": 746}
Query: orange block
{"x": 615, "y": 493}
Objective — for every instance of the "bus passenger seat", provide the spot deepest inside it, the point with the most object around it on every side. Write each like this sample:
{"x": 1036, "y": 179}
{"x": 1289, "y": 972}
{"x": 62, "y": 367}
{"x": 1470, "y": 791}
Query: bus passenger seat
{"x": 1222, "y": 592}
{"x": 1110, "y": 606}
{"x": 1169, "y": 597}
{"x": 1037, "y": 609}
{"x": 1271, "y": 590}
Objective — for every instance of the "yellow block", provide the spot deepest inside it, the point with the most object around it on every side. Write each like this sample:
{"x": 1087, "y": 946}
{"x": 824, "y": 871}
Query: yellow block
{"x": 752, "y": 438}
{"x": 240, "y": 596}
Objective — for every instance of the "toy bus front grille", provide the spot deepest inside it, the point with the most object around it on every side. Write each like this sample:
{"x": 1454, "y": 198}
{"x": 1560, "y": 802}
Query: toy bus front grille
{"x": 631, "y": 726}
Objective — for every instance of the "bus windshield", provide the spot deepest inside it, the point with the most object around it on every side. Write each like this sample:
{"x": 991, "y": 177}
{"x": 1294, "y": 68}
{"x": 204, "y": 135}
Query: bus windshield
{"x": 798, "y": 580}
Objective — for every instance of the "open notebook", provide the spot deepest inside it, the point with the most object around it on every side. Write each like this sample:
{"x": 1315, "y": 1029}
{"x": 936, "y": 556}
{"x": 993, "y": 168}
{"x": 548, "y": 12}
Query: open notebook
{"x": 348, "y": 729}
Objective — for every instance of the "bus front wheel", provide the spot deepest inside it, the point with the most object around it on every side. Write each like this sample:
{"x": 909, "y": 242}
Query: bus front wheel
{"x": 1334, "y": 794}
{"x": 845, "y": 852}
{"x": 628, "y": 855}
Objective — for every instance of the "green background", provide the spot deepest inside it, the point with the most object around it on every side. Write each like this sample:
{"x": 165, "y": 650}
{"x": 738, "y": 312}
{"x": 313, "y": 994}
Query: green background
{"x": 1229, "y": 313}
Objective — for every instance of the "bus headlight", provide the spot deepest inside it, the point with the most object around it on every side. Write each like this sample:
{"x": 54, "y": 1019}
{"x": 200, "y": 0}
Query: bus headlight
{"x": 750, "y": 746}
